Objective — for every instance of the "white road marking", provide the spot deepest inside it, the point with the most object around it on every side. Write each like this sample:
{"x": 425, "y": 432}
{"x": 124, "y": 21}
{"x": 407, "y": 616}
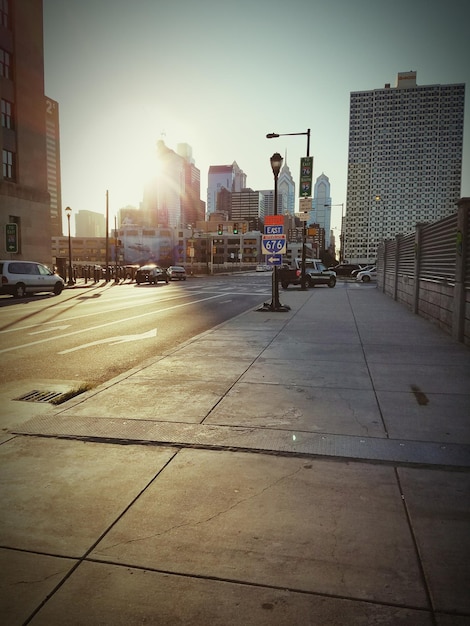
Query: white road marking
{"x": 49, "y": 330}
{"x": 120, "y": 321}
{"x": 113, "y": 340}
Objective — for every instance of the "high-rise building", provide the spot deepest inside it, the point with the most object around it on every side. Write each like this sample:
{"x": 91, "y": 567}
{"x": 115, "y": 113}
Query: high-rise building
{"x": 24, "y": 194}
{"x": 229, "y": 177}
{"x": 172, "y": 197}
{"x": 90, "y": 224}
{"x": 247, "y": 205}
{"x": 404, "y": 161}
{"x": 53, "y": 165}
{"x": 286, "y": 187}
{"x": 321, "y": 206}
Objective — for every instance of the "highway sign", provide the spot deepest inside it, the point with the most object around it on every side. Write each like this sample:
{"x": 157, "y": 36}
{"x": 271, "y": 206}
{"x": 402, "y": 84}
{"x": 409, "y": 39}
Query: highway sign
{"x": 274, "y": 259}
{"x": 272, "y": 220}
{"x": 306, "y": 177}
{"x": 273, "y": 244}
{"x": 274, "y": 230}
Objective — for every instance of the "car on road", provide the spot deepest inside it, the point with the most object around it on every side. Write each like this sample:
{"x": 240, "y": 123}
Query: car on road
{"x": 151, "y": 274}
{"x": 176, "y": 272}
{"x": 366, "y": 276}
{"x": 315, "y": 274}
{"x": 263, "y": 268}
{"x": 345, "y": 269}
{"x": 20, "y": 278}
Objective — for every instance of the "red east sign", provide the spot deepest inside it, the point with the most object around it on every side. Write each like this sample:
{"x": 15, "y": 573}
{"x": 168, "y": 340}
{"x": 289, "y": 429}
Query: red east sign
{"x": 274, "y": 220}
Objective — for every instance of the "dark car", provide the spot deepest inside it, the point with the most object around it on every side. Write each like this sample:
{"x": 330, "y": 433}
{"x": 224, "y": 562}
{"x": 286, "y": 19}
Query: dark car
{"x": 176, "y": 272}
{"x": 151, "y": 274}
{"x": 345, "y": 269}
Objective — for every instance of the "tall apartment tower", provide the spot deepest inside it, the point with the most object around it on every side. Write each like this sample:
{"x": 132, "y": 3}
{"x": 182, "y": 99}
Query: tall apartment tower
{"x": 404, "y": 161}
{"x": 53, "y": 166}
{"x": 228, "y": 177}
{"x": 24, "y": 195}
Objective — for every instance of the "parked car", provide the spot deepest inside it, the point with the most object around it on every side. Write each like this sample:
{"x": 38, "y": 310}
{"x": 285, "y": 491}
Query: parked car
{"x": 19, "y": 278}
{"x": 315, "y": 274}
{"x": 362, "y": 269}
{"x": 263, "y": 268}
{"x": 367, "y": 275}
{"x": 176, "y": 272}
{"x": 151, "y": 274}
{"x": 345, "y": 269}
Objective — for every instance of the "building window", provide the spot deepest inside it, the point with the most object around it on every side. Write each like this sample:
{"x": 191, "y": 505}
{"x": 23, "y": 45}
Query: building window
{"x": 5, "y": 13}
{"x": 5, "y": 64}
{"x": 8, "y": 165}
{"x": 7, "y": 114}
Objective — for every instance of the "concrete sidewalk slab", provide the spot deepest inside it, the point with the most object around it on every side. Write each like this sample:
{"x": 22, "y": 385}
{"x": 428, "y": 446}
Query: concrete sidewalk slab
{"x": 307, "y": 525}
{"x": 124, "y": 595}
{"x": 59, "y": 496}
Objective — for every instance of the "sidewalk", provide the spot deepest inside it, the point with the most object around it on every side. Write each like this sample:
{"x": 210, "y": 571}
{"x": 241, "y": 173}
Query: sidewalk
{"x": 305, "y": 467}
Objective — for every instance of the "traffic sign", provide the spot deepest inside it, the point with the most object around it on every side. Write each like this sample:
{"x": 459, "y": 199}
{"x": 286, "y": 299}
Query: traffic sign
{"x": 306, "y": 177}
{"x": 274, "y": 259}
{"x": 273, "y": 220}
{"x": 273, "y": 244}
{"x": 274, "y": 230}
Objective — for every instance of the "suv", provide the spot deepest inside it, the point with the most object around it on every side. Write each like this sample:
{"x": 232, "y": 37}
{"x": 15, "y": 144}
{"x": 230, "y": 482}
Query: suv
{"x": 150, "y": 274}
{"x": 315, "y": 274}
{"x": 345, "y": 269}
{"x": 20, "y": 278}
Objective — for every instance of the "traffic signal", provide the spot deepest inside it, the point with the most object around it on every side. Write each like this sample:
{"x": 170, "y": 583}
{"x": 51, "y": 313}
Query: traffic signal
{"x": 244, "y": 227}
{"x": 220, "y": 229}
{"x": 235, "y": 228}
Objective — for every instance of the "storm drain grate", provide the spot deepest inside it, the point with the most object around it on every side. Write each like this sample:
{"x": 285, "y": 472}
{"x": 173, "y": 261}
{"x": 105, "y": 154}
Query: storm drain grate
{"x": 39, "y": 396}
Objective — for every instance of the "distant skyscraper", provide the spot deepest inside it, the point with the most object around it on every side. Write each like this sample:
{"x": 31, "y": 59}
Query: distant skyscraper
{"x": 90, "y": 224}
{"x": 248, "y": 205}
{"x": 286, "y": 187}
{"x": 172, "y": 198}
{"x": 321, "y": 206}
{"x": 404, "y": 162}
{"x": 229, "y": 177}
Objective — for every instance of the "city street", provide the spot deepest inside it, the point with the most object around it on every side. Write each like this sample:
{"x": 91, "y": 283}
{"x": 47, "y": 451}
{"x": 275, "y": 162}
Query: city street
{"x": 88, "y": 335}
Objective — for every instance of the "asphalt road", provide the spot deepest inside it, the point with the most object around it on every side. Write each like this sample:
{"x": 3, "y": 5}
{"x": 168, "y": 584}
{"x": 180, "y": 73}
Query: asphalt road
{"x": 92, "y": 334}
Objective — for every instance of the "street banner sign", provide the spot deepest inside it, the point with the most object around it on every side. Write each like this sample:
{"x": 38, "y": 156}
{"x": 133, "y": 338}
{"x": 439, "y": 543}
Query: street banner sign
{"x": 274, "y": 220}
{"x": 273, "y": 244}
{"x": 11, "y": 238}
{"x": 274, "y": 259}
{"x": 306, "y": 177}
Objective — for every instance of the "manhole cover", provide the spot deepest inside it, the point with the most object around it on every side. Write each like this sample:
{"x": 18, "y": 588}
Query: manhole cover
{"x": 39, "y": 396}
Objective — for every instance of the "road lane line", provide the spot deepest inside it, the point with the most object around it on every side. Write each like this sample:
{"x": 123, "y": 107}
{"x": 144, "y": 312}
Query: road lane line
{"x": 120, "y": 321}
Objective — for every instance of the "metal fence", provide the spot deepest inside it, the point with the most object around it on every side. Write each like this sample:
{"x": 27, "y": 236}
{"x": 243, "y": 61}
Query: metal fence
{"x": 429, "y": 271}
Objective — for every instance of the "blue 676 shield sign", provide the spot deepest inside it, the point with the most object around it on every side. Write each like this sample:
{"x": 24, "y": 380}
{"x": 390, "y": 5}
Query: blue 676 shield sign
{"x": 273, "y": 244}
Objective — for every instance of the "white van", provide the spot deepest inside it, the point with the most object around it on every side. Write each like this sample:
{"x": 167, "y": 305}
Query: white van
{"x": 19, "y": 278}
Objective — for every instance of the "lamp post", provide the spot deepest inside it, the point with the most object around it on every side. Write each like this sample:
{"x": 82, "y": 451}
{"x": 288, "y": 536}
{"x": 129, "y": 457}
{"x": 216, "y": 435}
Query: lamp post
{"x": 71, "y": 282}
{"x": 341, "y": 232}
{"x": 275, "y": 305}
{"x": 303, "y": 282}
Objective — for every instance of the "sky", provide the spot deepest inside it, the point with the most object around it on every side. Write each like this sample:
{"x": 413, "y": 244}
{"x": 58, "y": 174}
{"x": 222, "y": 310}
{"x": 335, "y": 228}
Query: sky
{"x": 219, "y": 75}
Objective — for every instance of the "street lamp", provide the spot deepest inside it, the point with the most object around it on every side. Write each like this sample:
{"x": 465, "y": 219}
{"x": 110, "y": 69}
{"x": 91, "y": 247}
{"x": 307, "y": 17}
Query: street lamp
{"x": 303, "y": 281}
{"x": 71, "y": 282}
{"x": 341, "y": 232}
{"x": 275, "y": 305}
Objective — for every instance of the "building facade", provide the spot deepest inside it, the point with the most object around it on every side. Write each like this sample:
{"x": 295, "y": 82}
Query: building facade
{"x": 248, "y": 205}
{"x": 90, "y": 224}
{"x": 286, "y": 188}
{"x": 24, "y": 191}
{"x": 223, "y": 177}
{"x": 404, "y": 161}
{"x": 53, "y": 166}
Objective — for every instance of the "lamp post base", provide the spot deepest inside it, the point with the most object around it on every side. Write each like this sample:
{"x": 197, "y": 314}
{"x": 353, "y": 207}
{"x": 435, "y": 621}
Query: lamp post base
{"x": 274, "y": 307}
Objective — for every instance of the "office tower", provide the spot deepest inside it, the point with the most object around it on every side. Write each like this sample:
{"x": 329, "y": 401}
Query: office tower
{"x": 90, "y": 224}
{"x": 321, "y": 206}
{"x": 286, "y": 188}
{"x": 24, "y": 195}
{"x": 248, "y": 205}
{"x": 172, "y": 197}
{"x": 404, "y": 161}
{"x": 228, "y": 177}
